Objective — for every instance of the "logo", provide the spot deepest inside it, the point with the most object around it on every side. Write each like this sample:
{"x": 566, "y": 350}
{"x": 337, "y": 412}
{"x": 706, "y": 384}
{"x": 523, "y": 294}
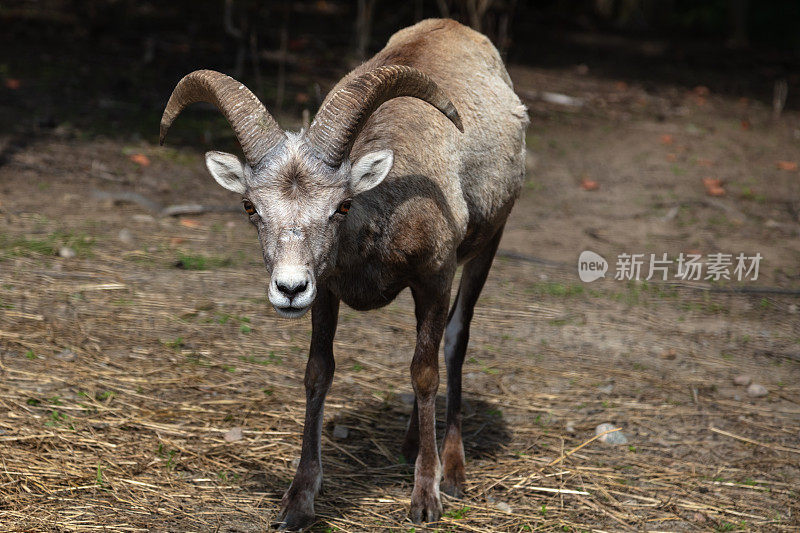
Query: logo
{"x": 686, "y": 267}
{"x": 591, "y": 266}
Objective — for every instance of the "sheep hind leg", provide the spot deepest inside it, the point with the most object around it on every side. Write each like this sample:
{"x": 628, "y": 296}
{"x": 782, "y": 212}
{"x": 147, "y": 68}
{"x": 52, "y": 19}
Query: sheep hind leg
{"x": 456, "y": 338}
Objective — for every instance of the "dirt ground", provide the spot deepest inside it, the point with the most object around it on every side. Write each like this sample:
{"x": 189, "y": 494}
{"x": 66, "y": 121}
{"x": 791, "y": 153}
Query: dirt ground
{"x": 123, "y": 369}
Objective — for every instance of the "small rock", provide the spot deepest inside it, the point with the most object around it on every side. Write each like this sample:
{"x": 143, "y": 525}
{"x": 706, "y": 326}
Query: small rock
{"x": 66, "y": 355}
{"x": 757, "y": 391}
{"x": 570, "y": 427}
{"x": 295, "y": 462}
{"x": 792, "y": 309}
{"x": 66, "y": 252}
{"x": 504, "y": 507}
{"x": 606, "y": 389}
{"x": 340, "y": 432}
{"x": 139, "y": 217}
{"x": 743, "y": 380}
{"x": 233, "y": 434}
{"x": 610, "y": 438}
{"x": 125, "y": 236}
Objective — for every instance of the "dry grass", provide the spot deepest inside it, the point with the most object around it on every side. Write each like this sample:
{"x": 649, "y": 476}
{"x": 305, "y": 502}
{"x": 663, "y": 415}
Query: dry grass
{"x": 128, "y": 433}
{"x": 125, "y": 430}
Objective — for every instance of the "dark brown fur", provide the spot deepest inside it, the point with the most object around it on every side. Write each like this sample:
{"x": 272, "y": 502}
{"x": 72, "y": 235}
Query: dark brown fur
{"x": 444, "y": 202}
{"x": 431, "y": 179}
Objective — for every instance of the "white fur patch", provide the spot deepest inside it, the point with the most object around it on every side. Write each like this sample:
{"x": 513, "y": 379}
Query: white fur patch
{"x": 370, "y": 170}
{"x": 227, "y": 170}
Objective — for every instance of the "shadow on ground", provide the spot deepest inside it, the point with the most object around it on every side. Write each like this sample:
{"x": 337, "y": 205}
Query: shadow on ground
{"x": 367, "y": 464}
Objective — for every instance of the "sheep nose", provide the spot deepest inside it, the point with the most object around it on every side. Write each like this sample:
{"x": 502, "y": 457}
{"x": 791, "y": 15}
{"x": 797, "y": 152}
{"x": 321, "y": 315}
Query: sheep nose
{"x": 291, "y": 289}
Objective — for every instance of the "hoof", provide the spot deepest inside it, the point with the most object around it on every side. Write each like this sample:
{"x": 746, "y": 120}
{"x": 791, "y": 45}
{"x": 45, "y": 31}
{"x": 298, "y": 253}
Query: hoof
{"x": 425, "y": 507}
{"x": 294, "y": 520}
{"x": 297, "y": 510}
{"x": 452, "y": 487}
{"x": 454, "y": 476}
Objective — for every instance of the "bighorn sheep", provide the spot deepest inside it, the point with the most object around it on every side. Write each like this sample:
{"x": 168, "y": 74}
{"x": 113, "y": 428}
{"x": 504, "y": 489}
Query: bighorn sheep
{"x": 431, "y": 178}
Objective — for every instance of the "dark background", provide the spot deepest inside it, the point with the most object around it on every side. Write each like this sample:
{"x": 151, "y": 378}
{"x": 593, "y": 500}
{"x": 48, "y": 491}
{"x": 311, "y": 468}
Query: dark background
{"x": 132, "y": 341}
{"x": 108, "y": 66}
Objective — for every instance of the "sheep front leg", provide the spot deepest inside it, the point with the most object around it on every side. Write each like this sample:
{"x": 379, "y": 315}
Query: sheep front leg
{"x": 431, "y": 311}
{"x": 297, "y": 506}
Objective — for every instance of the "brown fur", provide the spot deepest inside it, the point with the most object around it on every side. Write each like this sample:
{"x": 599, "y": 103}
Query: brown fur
{"x": 444, "y": 202}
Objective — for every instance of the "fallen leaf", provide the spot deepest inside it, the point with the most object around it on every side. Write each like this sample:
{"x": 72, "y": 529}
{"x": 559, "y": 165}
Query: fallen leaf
{"x": 745, "y": 124}
{"x": 790, "y": 166}
{"x": 175, "y": 241}
{"x": 672, "y": 157}
{"x": 190, "y": 223}
{"x": 705, "y": 163}
{"x": 621, "y": 86}
{"x": 667, "y": 139}
{"x": 713, "y": 186}
{"x": 140, "y": 159}
{"x": 13, "y": 83}
{"x": 701, "y": 90}
{"x": 589, "y": 185}
{"x": 233, "y": 434}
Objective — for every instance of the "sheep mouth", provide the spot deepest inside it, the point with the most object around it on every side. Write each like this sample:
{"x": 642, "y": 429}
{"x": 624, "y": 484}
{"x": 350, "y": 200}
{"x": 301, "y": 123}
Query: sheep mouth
{"x": 291, "y": 311}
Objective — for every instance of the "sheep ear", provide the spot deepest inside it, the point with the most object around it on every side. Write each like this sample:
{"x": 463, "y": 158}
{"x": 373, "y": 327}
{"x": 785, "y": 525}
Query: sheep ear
{"x": 227, "y": 170}
{"x": 370, "y": 170}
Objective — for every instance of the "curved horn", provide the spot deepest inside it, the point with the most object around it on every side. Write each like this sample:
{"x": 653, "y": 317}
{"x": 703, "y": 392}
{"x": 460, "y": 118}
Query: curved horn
{"x": 255, "y": 128}
{"x": 340, "y": 120}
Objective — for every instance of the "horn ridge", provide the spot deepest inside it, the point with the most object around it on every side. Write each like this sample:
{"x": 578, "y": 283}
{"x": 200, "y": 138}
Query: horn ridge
{"x": 338, "y": 123}
{"x": 255, "y": 129}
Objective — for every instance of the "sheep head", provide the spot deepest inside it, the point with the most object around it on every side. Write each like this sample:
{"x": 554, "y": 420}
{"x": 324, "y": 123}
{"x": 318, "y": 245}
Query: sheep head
{"x": 297, "y": 188}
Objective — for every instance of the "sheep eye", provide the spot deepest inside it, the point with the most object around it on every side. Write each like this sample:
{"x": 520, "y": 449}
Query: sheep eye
{"x": 343, "y": 208}
{"x": 249, "y": 208}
